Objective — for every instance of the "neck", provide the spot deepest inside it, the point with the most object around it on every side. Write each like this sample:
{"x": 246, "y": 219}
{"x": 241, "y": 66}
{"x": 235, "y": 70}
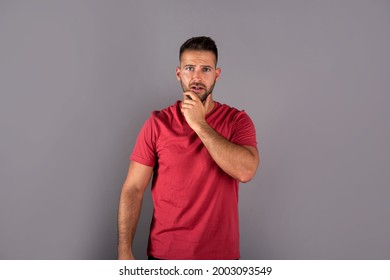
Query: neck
{"x": 209, "y": 103}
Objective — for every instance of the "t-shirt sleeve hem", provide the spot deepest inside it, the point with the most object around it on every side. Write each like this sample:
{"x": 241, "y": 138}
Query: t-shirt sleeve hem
{"x": 142, "y": 160}
{"x": 252, "y": 144}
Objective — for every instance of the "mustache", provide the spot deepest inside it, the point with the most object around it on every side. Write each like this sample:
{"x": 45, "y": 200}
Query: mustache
{"x": 198, "y": 85}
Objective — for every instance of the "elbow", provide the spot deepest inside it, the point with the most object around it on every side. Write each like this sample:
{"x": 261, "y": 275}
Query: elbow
{"x": 245, "y": 178}
{"x": 247, "y": 175}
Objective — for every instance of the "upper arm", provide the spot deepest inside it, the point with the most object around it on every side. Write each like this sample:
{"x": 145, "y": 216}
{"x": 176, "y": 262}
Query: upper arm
{"x": 138, "y": 177}
{"x": 244, "y": 131}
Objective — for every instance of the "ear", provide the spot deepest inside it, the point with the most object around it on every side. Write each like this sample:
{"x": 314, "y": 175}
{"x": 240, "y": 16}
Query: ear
{"x": 217, "y": 73}
{"x": 178, "y": 73}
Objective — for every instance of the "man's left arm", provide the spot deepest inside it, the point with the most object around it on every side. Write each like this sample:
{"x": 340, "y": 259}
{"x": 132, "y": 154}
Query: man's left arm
{"x": 238, "y": 161}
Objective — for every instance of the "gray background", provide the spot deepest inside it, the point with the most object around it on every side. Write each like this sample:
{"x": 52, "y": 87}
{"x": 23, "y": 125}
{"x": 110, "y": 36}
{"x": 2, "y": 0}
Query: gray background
{"x": 79, "y": 78}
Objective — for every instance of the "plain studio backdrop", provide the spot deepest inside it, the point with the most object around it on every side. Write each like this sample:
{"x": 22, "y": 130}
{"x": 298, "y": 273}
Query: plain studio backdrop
{"x": 79, "y": 78}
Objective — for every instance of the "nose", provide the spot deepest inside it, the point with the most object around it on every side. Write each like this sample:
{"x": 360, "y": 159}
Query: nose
{"x": 197, "y": 77}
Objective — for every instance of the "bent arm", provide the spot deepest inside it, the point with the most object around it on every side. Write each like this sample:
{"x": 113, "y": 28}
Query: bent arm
{"x": 130, "y": 203}
{"x": 240, "y": 162}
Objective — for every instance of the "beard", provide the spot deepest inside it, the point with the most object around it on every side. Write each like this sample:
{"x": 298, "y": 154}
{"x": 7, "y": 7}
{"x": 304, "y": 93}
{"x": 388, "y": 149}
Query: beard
{"x": 201, "y": 96}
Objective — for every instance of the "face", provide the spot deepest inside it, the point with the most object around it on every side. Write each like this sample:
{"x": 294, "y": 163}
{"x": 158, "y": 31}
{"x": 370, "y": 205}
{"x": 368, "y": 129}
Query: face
{"x": 198, "y": 72}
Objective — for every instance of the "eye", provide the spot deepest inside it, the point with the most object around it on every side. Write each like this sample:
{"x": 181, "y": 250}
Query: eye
{"x": 189, "y": 68}
{"x": 206, "y": 69}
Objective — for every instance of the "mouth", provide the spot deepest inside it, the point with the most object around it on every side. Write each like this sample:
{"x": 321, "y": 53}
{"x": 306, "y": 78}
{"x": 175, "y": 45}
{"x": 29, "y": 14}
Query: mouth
{"x": 197, "y": 88}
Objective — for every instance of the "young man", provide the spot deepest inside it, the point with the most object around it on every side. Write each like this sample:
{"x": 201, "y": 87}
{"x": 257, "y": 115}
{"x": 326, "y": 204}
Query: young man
{"x": 197, "y": 150}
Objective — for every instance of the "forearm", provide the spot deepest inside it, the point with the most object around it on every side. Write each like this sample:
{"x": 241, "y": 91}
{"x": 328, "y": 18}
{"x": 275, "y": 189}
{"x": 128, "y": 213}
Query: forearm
{"x": 237, "y": 161}
{"x": 129, "y": 211}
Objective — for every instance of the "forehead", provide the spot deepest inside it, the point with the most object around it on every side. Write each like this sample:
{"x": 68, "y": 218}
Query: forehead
{"x": 194, "y": 57}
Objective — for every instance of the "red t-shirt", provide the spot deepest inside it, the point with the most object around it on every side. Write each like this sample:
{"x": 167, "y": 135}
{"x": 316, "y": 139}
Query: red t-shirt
{"x": 195, "y": 201}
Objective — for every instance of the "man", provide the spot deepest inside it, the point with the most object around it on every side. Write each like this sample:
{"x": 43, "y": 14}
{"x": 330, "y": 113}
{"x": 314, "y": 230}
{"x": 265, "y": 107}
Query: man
{"x": 197, "y": 151}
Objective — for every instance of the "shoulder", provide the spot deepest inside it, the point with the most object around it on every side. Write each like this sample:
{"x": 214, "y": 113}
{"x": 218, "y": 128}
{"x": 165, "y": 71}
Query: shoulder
{"x": 230, "y": 112}
{"x": 165, "y": 115}
{"x": 229, "y": 108}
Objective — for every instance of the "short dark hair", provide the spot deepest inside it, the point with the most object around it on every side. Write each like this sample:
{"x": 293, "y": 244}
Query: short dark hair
{"x": 201, "y": 43}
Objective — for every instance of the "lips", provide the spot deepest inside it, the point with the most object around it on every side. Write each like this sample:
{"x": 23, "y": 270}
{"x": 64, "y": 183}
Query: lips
{"x": 197, "y": 87}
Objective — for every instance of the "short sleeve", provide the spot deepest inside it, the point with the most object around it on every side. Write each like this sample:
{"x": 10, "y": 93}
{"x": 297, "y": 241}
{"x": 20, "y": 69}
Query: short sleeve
{"x": 244, "y": 132}
{"x": 144, "y": 151}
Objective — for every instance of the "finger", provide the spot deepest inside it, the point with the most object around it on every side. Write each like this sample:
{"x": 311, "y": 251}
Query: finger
{"x": 187, "y": 104}
{"x": 190, "y": 94}
{"x": 186, "y": 95}
{"x": 187, "y": 101}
